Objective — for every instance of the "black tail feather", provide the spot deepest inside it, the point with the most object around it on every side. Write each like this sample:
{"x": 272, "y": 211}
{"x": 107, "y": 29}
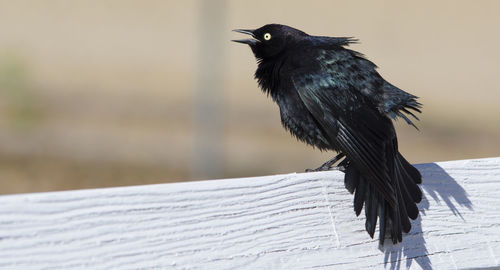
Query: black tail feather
{"x": 403, "y": 214}
{"x": 382, "y": 208}
{"x": 371, "y": 206}
{"x": 409, "y": 197}
{"x": 391, "y": 220}
{"x": 412, "y": 171}
{"x": 359, "y": 196}
{"x": 351, "y": 179}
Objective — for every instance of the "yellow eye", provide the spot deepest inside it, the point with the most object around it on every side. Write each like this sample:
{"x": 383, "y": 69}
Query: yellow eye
{"x": 267, "y": 36}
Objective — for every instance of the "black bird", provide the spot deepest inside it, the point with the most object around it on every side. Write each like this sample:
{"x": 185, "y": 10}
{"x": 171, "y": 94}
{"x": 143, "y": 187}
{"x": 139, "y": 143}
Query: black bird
{"x": 333, "y": 98}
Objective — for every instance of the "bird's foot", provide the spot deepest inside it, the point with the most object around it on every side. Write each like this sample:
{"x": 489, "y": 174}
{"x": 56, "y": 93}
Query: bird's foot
{"x": 328, "y": 166}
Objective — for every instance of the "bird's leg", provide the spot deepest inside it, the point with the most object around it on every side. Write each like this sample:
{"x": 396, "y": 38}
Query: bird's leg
{"x": 329, "y": 164}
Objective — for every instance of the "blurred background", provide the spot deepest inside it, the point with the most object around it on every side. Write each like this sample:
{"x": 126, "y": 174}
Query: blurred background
{"x": 110, "y": 93}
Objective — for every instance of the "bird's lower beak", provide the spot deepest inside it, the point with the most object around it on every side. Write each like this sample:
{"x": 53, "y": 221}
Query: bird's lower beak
{"x": 250, "y": 41}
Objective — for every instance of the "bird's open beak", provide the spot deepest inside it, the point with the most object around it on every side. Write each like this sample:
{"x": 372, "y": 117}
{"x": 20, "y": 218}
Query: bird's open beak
{"x": 250, "y": 41}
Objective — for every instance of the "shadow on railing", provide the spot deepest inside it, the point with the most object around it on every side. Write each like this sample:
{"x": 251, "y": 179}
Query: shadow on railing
{"x": 439, "y": 185}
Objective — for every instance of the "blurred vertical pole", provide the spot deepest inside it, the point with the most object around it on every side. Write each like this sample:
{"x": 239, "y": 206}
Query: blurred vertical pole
{"x": 209, "y": 93}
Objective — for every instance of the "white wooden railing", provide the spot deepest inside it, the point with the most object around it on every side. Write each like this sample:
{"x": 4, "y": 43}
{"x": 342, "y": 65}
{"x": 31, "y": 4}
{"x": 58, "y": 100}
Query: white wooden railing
{"x": 292, "y": 221}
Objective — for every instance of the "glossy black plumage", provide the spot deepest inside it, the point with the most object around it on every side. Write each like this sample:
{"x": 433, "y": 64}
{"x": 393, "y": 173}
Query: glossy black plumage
{"x": 334, "y": 99}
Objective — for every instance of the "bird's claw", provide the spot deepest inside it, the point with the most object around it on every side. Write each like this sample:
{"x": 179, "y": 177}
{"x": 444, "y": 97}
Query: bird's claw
{"x": 325, "y": 168}
{"x": 328, "y": 166}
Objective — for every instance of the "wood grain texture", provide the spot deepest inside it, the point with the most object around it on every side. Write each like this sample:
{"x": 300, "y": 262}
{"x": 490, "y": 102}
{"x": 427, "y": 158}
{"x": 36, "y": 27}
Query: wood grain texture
{"x": 293, "y": 221}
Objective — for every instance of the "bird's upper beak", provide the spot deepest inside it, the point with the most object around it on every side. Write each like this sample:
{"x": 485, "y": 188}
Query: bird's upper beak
{"x": 250, "y": 41}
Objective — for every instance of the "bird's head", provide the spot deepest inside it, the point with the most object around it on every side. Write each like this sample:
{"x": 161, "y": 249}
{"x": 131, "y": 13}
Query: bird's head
{"x": 270, "y": 39}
